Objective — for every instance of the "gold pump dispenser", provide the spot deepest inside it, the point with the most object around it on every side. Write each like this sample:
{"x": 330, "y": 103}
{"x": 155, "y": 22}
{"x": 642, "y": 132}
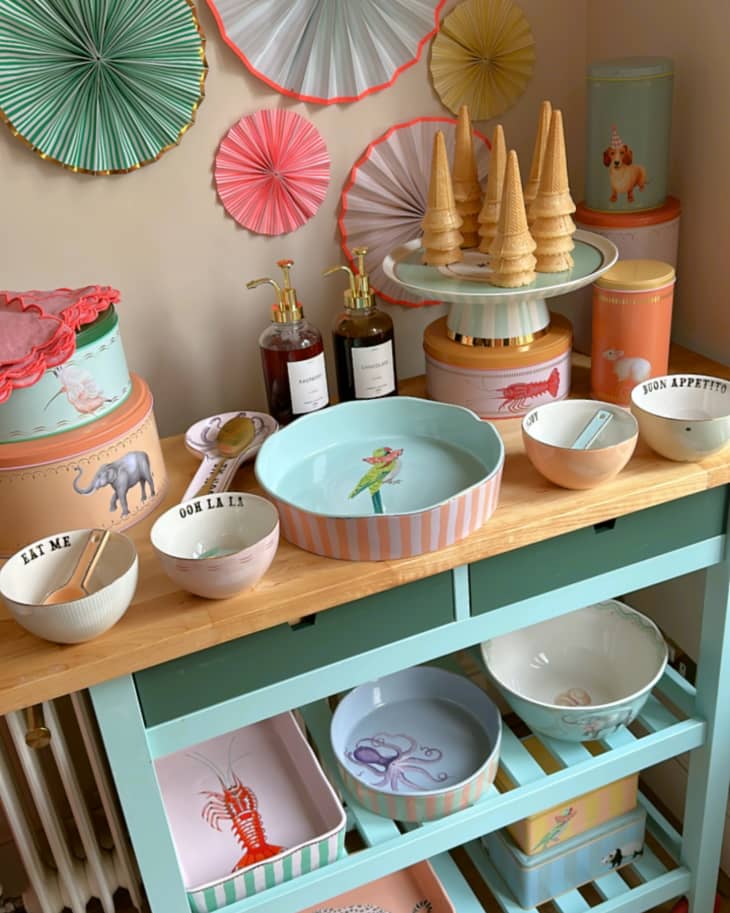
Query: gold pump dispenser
{"x": 362, "y": 339}
{"x": 358, "y": 295}
{"x": 286, "y": 309}
{"x": 292, "y": 355}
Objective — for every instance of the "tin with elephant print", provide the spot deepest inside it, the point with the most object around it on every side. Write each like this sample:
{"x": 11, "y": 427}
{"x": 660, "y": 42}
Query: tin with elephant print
{"x": 108, "y": 475}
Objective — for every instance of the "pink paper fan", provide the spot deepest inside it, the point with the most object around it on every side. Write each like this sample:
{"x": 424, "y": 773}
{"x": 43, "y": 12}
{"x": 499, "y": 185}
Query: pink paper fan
{"x": 272, "y": 171}
{"x": 385, "y": 197}
{"x": 75, "y": 306}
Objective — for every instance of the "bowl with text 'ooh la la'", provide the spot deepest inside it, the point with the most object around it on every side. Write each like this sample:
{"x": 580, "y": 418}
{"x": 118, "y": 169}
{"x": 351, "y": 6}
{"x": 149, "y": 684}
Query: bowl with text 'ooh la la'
{"x": 683, "y": 417}
{"x": 217, "y": 545}
{"x": 418, "y": 744}
{"x": 582, "y": 675}
{"x": 47, "y": 564}
{"x": 550, "y": 431}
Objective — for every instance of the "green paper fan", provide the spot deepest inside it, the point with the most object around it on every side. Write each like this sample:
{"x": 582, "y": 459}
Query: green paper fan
{"x": 100, "y": 86}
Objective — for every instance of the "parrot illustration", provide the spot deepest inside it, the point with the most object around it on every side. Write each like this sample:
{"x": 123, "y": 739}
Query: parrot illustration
{"x": 561, "y": 822}
{"x": 384, "y": 469}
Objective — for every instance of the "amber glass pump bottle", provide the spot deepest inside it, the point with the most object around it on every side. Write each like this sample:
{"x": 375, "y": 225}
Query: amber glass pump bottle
{"x": 292, "y": 355}
{"x": 363, "y": 340}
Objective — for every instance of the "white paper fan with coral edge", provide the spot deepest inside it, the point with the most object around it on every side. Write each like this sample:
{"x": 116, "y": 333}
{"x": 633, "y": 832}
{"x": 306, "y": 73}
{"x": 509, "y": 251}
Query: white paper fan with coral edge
{"x": 385, "y": 198}
{"x": 327, "y": 51}
{"x": 483, "y": 57}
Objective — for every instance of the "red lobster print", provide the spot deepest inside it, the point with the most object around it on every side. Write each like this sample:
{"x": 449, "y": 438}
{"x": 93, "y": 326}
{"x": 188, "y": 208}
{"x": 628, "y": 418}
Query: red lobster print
{"x": 238, "y": 805}
{"x": 515, "y": 396}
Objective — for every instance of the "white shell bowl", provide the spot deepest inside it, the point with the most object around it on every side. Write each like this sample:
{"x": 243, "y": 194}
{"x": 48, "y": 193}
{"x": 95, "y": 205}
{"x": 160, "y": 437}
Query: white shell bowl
{"x": 548, "y": 432}
{"x": 683, "y": 417}
{"x": 33, "y": 571}
{"x": 582, "y": 675}
{"x": 217, "y": 545}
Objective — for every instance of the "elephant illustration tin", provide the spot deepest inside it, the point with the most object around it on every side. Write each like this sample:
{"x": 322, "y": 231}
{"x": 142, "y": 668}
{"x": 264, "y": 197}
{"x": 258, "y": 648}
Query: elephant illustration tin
{"x": 108, "y": 474}
{"x": 121, "y": 475}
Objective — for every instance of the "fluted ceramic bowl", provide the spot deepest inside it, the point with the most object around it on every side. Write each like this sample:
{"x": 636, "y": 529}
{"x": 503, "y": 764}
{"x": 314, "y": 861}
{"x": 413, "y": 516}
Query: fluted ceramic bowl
{"x": 579, "y": 676}
{"x": 417, "y": 745}
{"x": 31, "y": 573}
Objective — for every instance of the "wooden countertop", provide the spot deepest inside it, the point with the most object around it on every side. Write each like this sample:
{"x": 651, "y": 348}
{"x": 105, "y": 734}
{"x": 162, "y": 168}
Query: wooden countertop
{"x": 164, "y": 623}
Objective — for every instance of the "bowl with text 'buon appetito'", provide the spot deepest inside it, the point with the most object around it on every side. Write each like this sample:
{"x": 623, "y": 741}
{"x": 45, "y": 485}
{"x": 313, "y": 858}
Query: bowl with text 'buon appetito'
{"x": 217, "y": 545}
{"x": 377, "y": 479}
{"x": 418, "y": 744}
{"x": 683, "y": 417}
{"x": 47, "y": 564}
{"x": 582, "y": 675}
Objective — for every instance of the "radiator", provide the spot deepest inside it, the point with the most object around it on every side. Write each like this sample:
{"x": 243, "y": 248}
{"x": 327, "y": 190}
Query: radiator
{"x": 72, "y": 878}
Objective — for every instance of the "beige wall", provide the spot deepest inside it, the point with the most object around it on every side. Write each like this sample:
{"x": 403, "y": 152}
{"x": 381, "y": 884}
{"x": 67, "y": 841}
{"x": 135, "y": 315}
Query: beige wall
{"x": 694, "y": 34}
{"x": 161, "y": 236}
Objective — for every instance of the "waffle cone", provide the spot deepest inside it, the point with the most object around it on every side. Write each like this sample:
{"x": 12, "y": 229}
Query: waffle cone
{"x": 553, "y": 195}
{"x": 441, "y": 215}
{"x": 465, "y": 176}
{"x": 549, "y": 246}
{"x": 509, "y": 265}
{"x": 487, "y": 232}
{"x": 442, "y": 257}
{"x": 554, "y": 263}
{"x": 552, "y": 227}
{"x": 513, "y": 280}
{"x": 513, "y": 237}
{"x": 538, "y": 153}
{"x": 442, "y": 240}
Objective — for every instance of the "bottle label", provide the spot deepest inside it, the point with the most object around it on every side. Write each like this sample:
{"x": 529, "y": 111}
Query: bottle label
{"x": 373, "y": 370}
{"x": 308, "y": 384}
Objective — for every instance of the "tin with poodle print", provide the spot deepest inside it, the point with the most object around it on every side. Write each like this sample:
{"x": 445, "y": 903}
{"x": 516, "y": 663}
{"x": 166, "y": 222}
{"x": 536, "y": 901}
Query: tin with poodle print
{"x": 632, "y": 321}
{"x": 629, "y": 127}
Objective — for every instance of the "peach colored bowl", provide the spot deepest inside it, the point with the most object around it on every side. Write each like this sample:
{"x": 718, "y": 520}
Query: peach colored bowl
{"x": 217, "y": 545}
{"x": 548, "y": 432}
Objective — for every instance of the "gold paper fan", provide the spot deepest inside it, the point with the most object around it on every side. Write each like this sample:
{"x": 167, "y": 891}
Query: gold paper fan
{"x": 482, "y": 57}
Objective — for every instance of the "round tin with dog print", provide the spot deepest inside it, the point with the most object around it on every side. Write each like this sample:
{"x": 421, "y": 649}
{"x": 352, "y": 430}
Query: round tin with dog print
{"x": 632, "y": 321}
{"x": 629, "y": 127}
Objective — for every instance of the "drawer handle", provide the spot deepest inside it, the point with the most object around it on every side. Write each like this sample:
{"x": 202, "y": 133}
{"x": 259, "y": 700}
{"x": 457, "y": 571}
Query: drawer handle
{"x": 605, "y": 525}
{"x": 306, "y": 621}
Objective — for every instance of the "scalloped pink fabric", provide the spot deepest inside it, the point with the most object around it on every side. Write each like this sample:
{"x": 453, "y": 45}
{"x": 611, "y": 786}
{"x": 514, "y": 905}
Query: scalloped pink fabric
{"x": 75, "y": 306}
{"x": 30, "y": 344}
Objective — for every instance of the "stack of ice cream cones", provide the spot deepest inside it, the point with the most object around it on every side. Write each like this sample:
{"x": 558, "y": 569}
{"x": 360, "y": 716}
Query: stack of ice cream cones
{"x": 442, "y": 239}
{"x": 467, "y": 189}
{"x": 552, "y": 226}
{"x": 489, "y": 213}
{"x": 511, "y": 252}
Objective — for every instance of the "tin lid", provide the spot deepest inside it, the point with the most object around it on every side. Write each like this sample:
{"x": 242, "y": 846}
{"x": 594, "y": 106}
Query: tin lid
{"x": 631, "y": 68}
{"x": 598, "y": 219}
{"x": 555, "y": 342}
{"x": 69, "y": 444}
{"x": 636, "y": 275}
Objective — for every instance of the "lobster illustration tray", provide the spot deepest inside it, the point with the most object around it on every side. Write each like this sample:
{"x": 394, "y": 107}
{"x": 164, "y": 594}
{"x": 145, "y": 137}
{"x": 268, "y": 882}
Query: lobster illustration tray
{"x": 382, "y": 478}
{"x": 247, "y": 810}
{"x": 412, "y": 890}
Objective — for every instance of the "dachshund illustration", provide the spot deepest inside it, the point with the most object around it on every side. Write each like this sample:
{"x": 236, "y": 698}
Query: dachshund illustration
{"x": 623, "y": 174}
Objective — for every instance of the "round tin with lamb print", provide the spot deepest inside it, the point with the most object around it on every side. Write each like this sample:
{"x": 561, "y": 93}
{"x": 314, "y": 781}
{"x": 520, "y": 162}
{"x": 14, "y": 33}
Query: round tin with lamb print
{"x": 502, "y": 381}
{"x": 629, "y": 129}
{"x": 90, "y": 385}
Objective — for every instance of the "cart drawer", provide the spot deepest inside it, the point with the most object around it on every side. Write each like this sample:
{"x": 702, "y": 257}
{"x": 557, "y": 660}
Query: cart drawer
{"x": 585, "y": 553}
{"x": 267, "y": 657}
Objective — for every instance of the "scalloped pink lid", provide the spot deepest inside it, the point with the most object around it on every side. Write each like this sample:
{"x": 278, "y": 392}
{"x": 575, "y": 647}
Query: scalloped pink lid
{"x": 30, "y": 344}
{"x": 75, "y": 306}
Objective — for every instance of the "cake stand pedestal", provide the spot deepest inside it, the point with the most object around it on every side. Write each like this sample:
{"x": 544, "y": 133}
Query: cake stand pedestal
{"x": 484, "y": 314}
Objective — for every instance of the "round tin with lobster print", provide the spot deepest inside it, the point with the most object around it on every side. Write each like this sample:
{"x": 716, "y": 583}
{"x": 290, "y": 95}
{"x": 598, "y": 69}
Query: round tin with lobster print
{"x": 109, "y": 474}
{"x": 500, "y": 382}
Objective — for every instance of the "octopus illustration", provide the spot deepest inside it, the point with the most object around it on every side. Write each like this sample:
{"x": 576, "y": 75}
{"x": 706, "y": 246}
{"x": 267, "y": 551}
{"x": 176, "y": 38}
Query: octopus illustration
{"x": 397, "y": 760}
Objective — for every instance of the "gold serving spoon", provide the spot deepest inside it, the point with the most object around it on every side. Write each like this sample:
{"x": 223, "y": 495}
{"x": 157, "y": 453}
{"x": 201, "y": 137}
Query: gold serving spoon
{"x": 75, "y": 586}
{"x": 234, "y": 437}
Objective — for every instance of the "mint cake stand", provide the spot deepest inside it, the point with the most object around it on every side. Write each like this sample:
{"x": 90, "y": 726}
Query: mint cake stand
{"x": 481, "y": 312}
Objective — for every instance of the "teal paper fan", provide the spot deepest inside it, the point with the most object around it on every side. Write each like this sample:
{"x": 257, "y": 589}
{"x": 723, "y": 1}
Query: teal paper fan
{"x": 100, "y": 86}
